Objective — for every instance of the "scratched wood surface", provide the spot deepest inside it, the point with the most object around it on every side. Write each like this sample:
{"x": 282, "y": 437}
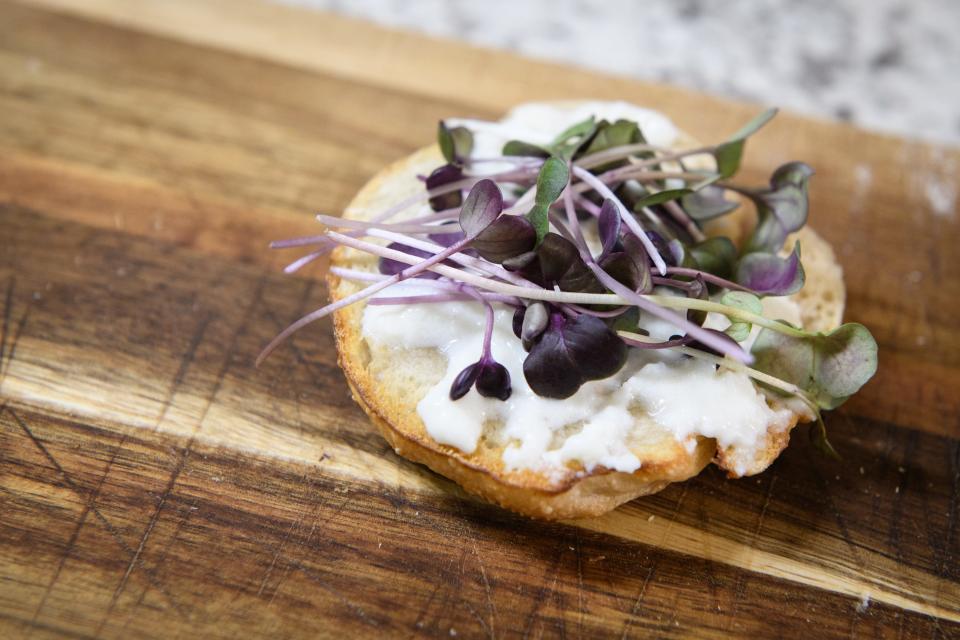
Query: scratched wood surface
{"x": 154, "y": 484}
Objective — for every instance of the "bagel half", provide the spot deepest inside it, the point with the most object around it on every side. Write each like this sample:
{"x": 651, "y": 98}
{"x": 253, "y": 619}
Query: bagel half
{"x": 388, "y": 383}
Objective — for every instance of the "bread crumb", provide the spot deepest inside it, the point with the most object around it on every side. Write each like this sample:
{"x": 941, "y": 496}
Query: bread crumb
{"x": 650, "y": 519}
{"x": 864, "y": 603}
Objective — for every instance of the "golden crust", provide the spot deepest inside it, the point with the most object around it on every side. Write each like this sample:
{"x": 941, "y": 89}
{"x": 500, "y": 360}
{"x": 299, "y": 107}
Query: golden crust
{"x": 388, "y": 393}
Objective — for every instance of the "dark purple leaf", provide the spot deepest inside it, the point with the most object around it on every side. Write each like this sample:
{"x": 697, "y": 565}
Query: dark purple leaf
{"x": 481, "y": 207}
{"x": 464, "y": 381}
{"x": 507, "y": 237}
{"x": 392, "y": 267}
{"x": 556, "y": 254}
{"x": 769, "y": 274}
{"x": 633, "y": 248}
{"x": 518, "y": 315}
{"x": 447, "y": 238}
{"x": 661, "y": 245}
{"x": 572, "y": 352}
{"x": 493, "y": 381}
{"x": 623, "y": 269}
{"x": 440, "y": 176}
{"x": 519, "y": 262}
{"x": 608, "y": 225}
{"x": 782, "y": 209}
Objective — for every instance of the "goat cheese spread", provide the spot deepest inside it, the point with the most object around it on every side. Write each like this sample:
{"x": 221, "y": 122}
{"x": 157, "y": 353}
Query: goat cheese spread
{"x": 684, "y": 397}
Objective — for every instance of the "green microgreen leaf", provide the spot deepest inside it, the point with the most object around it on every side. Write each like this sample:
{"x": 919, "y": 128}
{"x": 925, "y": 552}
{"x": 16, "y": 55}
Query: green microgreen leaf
{"x": 729, "y": 153}
{"x": 707, "y": 203}
{"x": 551, "y": 182}
{"x": 521, "y": 148}
{"x": 455, "y": 143}
{"x": 830, "y": 367}
{"x": 746, "y": 301}
{"x": 660, "y": 197}
{"x": 738, "y": 331}
{"x": 743, "y": 300}
{"x": 609, "y": 135}
{"x": 716, "y": 255}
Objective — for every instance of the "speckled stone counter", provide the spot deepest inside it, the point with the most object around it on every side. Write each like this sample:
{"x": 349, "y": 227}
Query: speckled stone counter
{"x": 885, "y": 65}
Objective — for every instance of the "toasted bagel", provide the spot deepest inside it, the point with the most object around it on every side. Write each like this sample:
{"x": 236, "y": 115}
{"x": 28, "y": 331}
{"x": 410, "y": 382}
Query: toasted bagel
{"x": 388, "y": 383}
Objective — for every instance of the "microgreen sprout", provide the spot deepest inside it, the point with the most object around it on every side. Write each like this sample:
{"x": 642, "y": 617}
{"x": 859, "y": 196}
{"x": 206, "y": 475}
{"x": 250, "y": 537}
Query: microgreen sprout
{"x": 585, "y": 235}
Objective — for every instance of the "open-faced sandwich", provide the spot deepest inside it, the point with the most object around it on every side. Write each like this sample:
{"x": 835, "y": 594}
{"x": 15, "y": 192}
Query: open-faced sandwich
{"x": 578, "y": 305}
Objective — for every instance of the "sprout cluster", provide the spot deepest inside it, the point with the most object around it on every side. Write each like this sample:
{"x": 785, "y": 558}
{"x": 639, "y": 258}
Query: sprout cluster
{"x": 518, "y": 238}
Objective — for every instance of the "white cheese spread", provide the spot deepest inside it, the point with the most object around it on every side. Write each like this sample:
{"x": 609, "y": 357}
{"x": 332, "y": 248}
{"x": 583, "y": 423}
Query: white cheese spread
{"x": 595, "y": 427}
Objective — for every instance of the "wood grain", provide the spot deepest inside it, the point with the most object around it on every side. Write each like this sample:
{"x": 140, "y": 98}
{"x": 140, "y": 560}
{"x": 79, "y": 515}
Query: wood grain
{"x": 153, "y": 483}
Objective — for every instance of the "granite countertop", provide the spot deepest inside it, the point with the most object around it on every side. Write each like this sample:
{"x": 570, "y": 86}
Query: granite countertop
{"x": 886, "y": 65}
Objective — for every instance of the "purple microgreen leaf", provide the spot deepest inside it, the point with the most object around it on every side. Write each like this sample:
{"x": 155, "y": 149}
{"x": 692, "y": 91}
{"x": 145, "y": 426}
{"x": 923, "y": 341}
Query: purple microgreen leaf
{"x": 782, "y": 209}
{"x": 493, "y": 381}
{"x": 518, "y": 315}
{"x": 508, "y": 237}
{"x": 390, "y": 267}
{"x": 571, "y": 352}
{"x": 795, "y": 173}
{"x": 697, "y": 289}
{"x": 455, "y": 143}
{"x": 635, "y": 228}
{"x": 481, "y": 207}
{"x": 638, "y": 253}
{"x": 534, "y": 323}
{"x": 707, "y": 203}
{"x": 830, "y": 367}
{"x": 728, "y": 154}
{"x": 440, "y": 176}
{"x": 715, "y": 255}
{"x": 560, "y": 264}
{"x": 447, "y": 238}
{"x": 551, "y": 182}
{"x": 556, "y": 254}
{"x": 769, "y": 274}
{"x": 519, "y": 261}
{"x": 623, "y": 269}
{"x": 719, "y": 335}
{"x": 464, "y": 381}
{"x": 676, "y": 253}
{"x": 608, "y": 224}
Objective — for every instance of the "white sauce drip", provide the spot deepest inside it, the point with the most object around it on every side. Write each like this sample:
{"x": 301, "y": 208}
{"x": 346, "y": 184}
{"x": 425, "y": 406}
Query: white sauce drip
{"x": 683, "y": 397}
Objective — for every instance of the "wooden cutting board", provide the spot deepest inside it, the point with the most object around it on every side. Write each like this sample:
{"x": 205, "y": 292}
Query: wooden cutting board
{"x": 154, "y": 484}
